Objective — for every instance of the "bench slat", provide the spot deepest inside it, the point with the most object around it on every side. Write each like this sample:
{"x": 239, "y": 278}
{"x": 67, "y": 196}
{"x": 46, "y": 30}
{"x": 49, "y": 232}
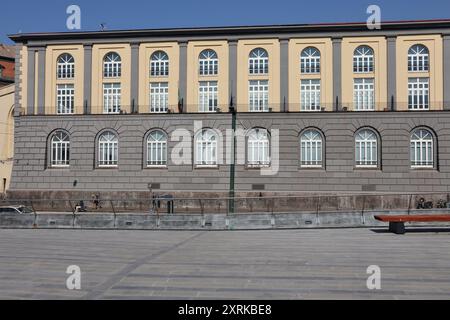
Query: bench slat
{"x": 414, "y": 218}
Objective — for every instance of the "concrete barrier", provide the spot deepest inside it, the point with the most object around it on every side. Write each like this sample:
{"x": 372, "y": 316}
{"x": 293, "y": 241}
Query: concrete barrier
{"x": 208, "y": 221}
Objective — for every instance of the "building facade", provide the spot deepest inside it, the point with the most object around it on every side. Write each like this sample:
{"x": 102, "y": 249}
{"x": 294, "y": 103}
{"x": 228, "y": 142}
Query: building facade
{"x": 322, "y": 108}
{"x": 7, "y": 72}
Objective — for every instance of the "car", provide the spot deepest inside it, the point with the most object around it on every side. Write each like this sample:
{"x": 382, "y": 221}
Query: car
{"x": 16, "y": 210}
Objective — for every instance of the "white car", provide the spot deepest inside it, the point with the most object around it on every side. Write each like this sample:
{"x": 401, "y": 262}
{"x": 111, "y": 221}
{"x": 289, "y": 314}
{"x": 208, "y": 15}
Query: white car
{"x": 16, "y": 210}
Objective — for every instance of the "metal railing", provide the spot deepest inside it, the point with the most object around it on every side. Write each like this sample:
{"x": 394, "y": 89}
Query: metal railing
{"x": 163, "y": 205}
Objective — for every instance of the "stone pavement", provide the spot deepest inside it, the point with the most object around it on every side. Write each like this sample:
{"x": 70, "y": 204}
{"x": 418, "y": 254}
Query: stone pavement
{"x": 282, "y": 264}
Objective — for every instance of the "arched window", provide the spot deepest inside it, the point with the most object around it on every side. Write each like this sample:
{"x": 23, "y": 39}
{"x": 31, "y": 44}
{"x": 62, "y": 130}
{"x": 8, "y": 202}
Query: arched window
{"x": 363, "y": 59}
{"x": 366, "y": 147}
{"x": 112, "y": 65}
{"x": 258, "y": 61}
{"x": 422, "y": 149}
{"x": 65, "y": 66}
{"x": 418, "y": 58}
{"x": 206, "y": 143}
{"x": 159, "y": 64}
{"x": 156, "y": 148}
{"x": 60, "y": 149}
{"x": 108, "y": 147}
{"x": 310, "y": 60}
{"x": 208, "y": 63}
{"x": 311, "y": 149}
{"x": 258, "y": 151}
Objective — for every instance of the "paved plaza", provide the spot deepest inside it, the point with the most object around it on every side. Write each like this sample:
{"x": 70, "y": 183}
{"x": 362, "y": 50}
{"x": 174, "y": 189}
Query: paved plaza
{"x": 288, "y": 264}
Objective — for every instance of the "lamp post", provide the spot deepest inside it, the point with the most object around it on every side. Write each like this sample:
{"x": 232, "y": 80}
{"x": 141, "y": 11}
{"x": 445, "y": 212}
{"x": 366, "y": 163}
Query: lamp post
{"x": 231, "y": 201}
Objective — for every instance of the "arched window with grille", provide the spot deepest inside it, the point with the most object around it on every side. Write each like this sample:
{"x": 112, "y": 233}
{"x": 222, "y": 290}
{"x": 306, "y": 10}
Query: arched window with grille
{"x": 366, "y": 148}
{"x": 60, "y": 149}
{"x": 258, "y": 61}
{"x": 159, "y": 64}
{"x": 112, "y": 65}
{"x": 363, "y": 60}
{"x": 208, "y": 63}
{"x": 156, "y": 149}
{"x": 311, "y": 149}
{"x": 310, "y": 61}
{"x": 258, "y": 148}
{"x": 108, "y": 147}
{"x": 206, "y": 144}
{"x": 65, "y": 66}
{"x": 418, "y": 58}
{"x": 422, "y": 149}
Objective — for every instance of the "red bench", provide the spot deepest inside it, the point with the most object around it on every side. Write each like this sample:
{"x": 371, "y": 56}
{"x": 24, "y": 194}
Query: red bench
{"x": 397, "y": 223}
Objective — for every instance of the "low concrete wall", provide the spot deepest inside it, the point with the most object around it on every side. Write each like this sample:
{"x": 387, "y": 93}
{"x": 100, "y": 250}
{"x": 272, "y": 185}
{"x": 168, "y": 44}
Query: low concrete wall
{"x": 207, "y": 221}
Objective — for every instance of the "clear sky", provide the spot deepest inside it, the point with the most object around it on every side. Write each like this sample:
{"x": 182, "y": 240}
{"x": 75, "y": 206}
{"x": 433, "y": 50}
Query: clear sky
{"x": 50, "y": 15}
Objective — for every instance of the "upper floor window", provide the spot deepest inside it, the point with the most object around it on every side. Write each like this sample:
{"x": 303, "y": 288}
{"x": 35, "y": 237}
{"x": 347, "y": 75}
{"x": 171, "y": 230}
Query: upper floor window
{"x": 310, "y": 60}
{"x": 65, "y": 97}
{"x": 208, "y": 63}
{"x": 258, "y": 95}
{"x": 159, "y": 97}
{"x": 65, "y": 68}
{"x": 112, "y": 65}
{"x": 418, "y": 93}
{"x": 108, "y": 146}
{"x": 208, "y": 93}
{"x": 258, "y": 61}
{"x": 206, "y": 148}
{"x": 366, "y": 146}
{"x": 258, "y": 152}
{"x": 157, "y": 148}
{"x": 159, "y": 64}
{"x": 422, "y": 149}
{"x": 112, "y": 96}
{"x": 418, "y": 58}
{"x": 363, "y": 59}
{"x": 1, "y": 70}
{"x": 363, "y": 94}
{"x": 60, "y": 149}
{"x": 311, "y": 149}
{"x": 310, "y": 95}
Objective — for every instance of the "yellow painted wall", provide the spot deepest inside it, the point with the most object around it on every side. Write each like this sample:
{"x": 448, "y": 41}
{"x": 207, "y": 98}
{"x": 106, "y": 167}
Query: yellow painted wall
{"x": 51, "y": 81}
{"x": 145, "y": 52}
{"x": 296, "y": 46}
{"x": 272, "y": 46}
{"x": 6, "y": 134}
{"x": 378, "y": 44}
{"x": 193, "y": 78}
{"x": 435, "y": 47}
{"x": 98, "y": 52}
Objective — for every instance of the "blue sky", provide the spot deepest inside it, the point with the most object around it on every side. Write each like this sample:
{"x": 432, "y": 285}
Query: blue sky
{"x": 50, "y": 15}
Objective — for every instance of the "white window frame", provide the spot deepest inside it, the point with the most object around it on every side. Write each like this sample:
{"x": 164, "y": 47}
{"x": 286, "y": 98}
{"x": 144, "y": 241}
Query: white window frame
{"x": 159, "y": 64}
{"x": 108, "y": 150}
{"x": 206, "y": 148}
{"x": 364, "y": 94}
{"x": 157, "y": 149}
{"x": 65, "y": 66}
{"x": 422, "y": 149}
{"x": 112, "y": 65}
{"x": 366, "y": 149}
{"x": 60, "y": 150}
{"x": 310, "y": 95}
{"x": 311, "y": 149}
{"x": 258, "y": 61}
{"x": 363, "y": 60}
{"x": 258, "y": 148}
{"x": 159, "y": 97}
{"x": 258, "y": 94}
{"x": 208, "y": 63}
{"x": 112, "y": 97}
{"x": 65, "y": 99}
{"x": 208, "y": 96}
{"x": 418, "y": 58}
{"x": 310, "y": 61}
{"x": 418, "y": 94}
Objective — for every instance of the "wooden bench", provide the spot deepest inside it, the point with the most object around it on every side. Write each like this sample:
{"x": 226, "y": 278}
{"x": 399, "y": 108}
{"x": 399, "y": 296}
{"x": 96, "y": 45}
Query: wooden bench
{"x": 397, "y": 223}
